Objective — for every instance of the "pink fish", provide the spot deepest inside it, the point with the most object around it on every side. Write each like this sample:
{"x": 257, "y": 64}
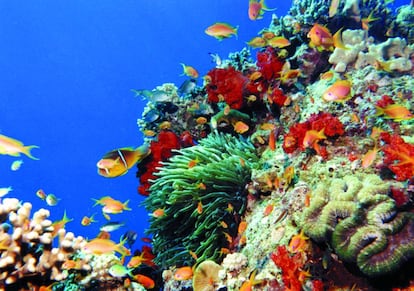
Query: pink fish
{"x": 340, "y": 91}
{"x": 257, "y": 9}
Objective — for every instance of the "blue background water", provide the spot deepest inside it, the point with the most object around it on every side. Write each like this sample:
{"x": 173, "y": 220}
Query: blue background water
{"x": 66, "y": 71}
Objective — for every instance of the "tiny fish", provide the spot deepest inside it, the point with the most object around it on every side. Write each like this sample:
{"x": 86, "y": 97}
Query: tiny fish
{"x": 52, "y": 200}
{"x": 189, "y": 71}
{"x": 4, "y": 191}
{"x": 87, "y": 220}
{"x": 16, "y": 165}
{"x": 41, "y": 194}
{"x": 119, "y": 271}
{"x": 111, "y": 226}
{"x": 340, "y": 91}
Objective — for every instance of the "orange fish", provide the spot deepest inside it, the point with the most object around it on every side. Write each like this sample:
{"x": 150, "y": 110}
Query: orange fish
{"x": 183, "y": 273}
{"x": 221, "y": 30}
{"x": 395, "y": 112}
{"x": 41, "y": 194}
{"x": 189, "y": 71}
{"x": 268, "y": 209}
{"x": 340, "y": 91}
{"x": 117, "y": 162}
{"x": 248, "y": 285}
{"x": 322, "y": 39}
{"x": 369, "y": 157}
{"x": 298, "y": 243}
{"x": 13, "y": 147}
{"x": 272, "y": 140}
{"x": 257, "y": 42}
{"x": 60, "y": 224}
{"x": 312, "y": 137}
{"x": 99, "y": 246}
{"x": 145, "y": 257}
{"x": 158, "y": 213}
{"x": 111, "y": 206}
{"x": 87, "y": 220}
{"x": 145, "y": 281}
{"x": 279, "y": 42}
{"x": 367, "y": 20}
{"x": 257, "y": 9}
{"x": 240, "y": 127}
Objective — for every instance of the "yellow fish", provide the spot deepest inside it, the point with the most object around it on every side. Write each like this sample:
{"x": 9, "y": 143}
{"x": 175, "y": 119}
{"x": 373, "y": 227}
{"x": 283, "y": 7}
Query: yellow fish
{"x": 117, "y": 162}
{"x": 221, "y": 30}
{"x": 13, "y": 147}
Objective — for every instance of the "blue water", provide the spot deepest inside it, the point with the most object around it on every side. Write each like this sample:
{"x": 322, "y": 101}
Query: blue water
{"x": 66, "y": 71}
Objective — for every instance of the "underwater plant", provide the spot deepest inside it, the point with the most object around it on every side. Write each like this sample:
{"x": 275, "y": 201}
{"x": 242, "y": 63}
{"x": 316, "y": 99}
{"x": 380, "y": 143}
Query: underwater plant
{"x": 198, "y": 198}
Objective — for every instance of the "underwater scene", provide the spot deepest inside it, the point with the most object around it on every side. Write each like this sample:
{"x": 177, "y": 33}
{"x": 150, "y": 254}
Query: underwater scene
{"x": 207, "y": 145}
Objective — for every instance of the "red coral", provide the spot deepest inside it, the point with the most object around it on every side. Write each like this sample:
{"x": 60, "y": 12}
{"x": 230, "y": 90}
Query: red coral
{"x": 277, "y": 97}
{"x": 290, "y": 266}
{"x": 269, "y": 64}
{"x": 294, "y": 138}
{"x": 384, "y": 101}
{"x": 226, "y": 85}
{"x": 398, "y": 156}
{"x": 160, "y": 152}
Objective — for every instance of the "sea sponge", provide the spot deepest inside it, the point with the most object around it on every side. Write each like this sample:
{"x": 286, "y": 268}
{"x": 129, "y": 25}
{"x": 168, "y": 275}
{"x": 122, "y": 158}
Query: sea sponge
{"x": 201, "y": 191}
{"x": 361, "y": 223}
{"x": 355, "y": 41}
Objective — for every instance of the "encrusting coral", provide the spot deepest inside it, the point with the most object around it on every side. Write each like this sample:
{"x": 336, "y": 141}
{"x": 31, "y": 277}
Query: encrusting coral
{"x": 201, "y": 194}
{"x": 361, "y": 223}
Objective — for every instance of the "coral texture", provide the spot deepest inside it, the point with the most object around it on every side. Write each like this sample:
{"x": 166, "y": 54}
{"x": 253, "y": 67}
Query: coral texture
{"x": 201, "y": 191}
{"x": 361, "y": 223}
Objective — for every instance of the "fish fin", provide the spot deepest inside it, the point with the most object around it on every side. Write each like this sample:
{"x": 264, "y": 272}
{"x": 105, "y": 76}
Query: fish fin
{"x": 27, "y": 149}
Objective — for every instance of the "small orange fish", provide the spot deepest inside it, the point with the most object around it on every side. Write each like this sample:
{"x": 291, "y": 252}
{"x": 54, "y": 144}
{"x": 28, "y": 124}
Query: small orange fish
{"x": 145, "y": 257}
{"x": 340, "y": 91}
{"x": 60, "y": 224}
{"x": 248, "y": 285}
{"x": 268, "y": 209}
{"x": 145, "y": 281}
{"x": 395, "y": 112}
{"x": 72, "y": 265}
{"x": 272, "y": 140}
{"x": 99, "y": 246}
{"x": 41, "y": 194}
{"x": 328, "y": 75}
{"x": 221, "y": 30}
{"x": 268, "y": 35}
{"x": 189, "y": 71}
{"x": 183, "y": 273}
{"x": 257, "y": 42}
{"x": 257, "y": 9}
{"x": 87, "y": 220}
{"x": 13, "y": 147}
{"x": 242, "y": 227}
{"x": 158, "y": 213}
{"x": 322, "y": 39}
{"x": 369, "y": 157}
{"x": 367, "y": 20}
{"x": 199, "y": 207}
{"x": 298, "y": 242}
{"x": 288, "y": 174}
{"x": 201, "y": 120}
{"x": 279, "y": 42}
{"x": 240, "y": 127}
{"x": 312, "y": 137}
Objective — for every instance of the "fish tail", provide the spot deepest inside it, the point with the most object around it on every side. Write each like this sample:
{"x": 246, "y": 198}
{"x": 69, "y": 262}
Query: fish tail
{"x": 126, "y": 205}
{"x": 27, "y": 149}
{"x": 337, "y": 40}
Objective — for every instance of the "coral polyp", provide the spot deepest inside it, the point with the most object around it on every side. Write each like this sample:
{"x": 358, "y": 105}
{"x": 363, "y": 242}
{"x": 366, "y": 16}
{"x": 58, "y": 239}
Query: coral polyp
{"x": 201, "y": 191}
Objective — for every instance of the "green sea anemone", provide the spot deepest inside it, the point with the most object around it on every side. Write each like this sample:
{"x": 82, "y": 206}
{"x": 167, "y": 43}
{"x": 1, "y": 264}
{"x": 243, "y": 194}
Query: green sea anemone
{"x": 360, "y": 222}
{"x": 201, "y": 192}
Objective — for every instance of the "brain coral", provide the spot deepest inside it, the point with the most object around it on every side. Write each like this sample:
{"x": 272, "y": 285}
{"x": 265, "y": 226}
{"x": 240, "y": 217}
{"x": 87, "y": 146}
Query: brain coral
{"x": 361, "y": 223}
{"x": 201, "y": 194}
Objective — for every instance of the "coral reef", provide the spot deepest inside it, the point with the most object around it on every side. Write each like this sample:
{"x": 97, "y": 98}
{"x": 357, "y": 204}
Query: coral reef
{"x": 201, "y": 192}
{"x": 28, "y": 251}
{"x": 361, "y": 223}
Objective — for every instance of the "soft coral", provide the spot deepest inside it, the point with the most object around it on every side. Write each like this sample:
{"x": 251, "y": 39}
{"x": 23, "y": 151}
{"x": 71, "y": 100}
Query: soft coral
{"x": 226, "y": 85}
{"x": 161, "y": 150}
{"x": 398, "y": 156}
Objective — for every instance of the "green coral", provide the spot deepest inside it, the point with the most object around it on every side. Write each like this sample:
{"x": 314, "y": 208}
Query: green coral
{"x": 361, "y": 223}
{"x": 202, "y": 192}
